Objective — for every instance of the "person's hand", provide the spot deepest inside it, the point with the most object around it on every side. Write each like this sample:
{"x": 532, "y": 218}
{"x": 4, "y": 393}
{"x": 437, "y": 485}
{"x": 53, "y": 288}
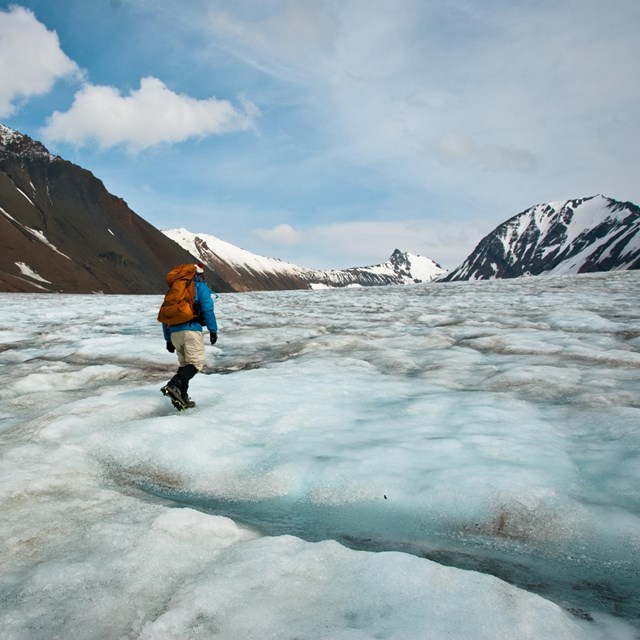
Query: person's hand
{"x": 213, "y": 337}
{"x": 170, "y": 347}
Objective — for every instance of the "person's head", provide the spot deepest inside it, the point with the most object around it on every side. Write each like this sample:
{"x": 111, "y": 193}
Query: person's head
{"x": 199, "y": 271}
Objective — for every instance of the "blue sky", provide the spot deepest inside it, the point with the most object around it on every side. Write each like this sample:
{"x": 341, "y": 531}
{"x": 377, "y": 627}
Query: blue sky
{"x": 330, "y": 132}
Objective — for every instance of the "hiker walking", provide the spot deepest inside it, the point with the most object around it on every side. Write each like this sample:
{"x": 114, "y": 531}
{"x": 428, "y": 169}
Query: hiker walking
{"x": 186, "y": 309}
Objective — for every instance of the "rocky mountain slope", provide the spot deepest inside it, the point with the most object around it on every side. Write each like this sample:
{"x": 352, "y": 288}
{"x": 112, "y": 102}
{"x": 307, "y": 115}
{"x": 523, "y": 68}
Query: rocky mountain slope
{"x": 62, "y": 231}
{"x": 576, "y": 236}
{"x": 248, "y": 271}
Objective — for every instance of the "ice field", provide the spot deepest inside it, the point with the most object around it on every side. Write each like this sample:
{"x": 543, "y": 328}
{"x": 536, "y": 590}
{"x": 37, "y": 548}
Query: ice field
{"x": 435, "y": 461}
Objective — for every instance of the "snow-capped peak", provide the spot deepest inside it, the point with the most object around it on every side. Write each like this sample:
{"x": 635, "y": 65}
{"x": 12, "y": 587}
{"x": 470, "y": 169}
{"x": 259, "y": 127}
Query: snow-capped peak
{"x": 14, "y": 142}
{"x": 401, "y": 268}
{"x": 206, "y": 246}
{"x": 574, "y": 236}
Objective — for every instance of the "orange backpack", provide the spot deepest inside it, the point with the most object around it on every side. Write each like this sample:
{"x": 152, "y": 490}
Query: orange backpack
{"x": 178, "y": 304}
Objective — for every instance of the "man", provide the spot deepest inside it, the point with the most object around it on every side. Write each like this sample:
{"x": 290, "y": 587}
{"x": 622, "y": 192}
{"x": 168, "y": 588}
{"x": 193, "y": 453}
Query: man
{"x": 187, "y": 341}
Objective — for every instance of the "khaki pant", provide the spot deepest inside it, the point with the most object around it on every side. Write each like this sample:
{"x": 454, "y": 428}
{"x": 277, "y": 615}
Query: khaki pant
{"x": 189, "y": 348}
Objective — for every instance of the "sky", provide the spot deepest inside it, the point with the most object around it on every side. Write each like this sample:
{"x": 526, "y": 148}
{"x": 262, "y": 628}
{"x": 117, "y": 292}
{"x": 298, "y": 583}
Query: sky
{"x": 330, "y": 132}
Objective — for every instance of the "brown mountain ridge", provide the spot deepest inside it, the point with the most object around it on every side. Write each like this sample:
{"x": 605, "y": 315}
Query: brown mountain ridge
{"x": 62, "y": 231}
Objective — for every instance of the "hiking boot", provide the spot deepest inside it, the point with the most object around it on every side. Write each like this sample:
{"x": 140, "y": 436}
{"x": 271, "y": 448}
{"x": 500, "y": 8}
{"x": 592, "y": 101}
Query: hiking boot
{"x": 188, "y": 401}
{"x": 175, "y": 396}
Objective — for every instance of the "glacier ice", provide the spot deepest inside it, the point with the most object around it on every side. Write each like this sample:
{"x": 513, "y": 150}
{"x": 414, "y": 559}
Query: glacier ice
{"x": 456, "y": 460}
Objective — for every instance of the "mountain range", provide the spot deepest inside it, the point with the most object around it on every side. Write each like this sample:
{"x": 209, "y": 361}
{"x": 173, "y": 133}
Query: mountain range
{"x": 62, "y": 231}
{"x": 246, "y": 270}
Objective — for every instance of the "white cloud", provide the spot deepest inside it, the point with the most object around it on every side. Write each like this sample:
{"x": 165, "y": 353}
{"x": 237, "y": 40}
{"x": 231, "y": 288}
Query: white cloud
{"x": 31, "y": 59}
{"x": 280, "y": 234}
{"x": 148, "y": 116}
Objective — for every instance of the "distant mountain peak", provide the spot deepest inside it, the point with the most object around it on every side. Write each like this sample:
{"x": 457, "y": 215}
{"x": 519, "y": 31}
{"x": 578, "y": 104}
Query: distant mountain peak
{"x": 582, "y": 235}
{"x": 255, "y": 271}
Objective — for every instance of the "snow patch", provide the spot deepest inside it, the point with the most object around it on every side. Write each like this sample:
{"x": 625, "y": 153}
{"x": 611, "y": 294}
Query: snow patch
{"x": 40, "y": 236}
{"x": 36, "y": 233}
{"x": 31, "y": 273}
{"x": 9, "y": 216}
{"x": 26, "y": 196}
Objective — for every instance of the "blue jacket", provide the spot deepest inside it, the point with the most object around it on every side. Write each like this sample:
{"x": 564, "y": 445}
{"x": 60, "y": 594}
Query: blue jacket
{"x": 207, "y": 313}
